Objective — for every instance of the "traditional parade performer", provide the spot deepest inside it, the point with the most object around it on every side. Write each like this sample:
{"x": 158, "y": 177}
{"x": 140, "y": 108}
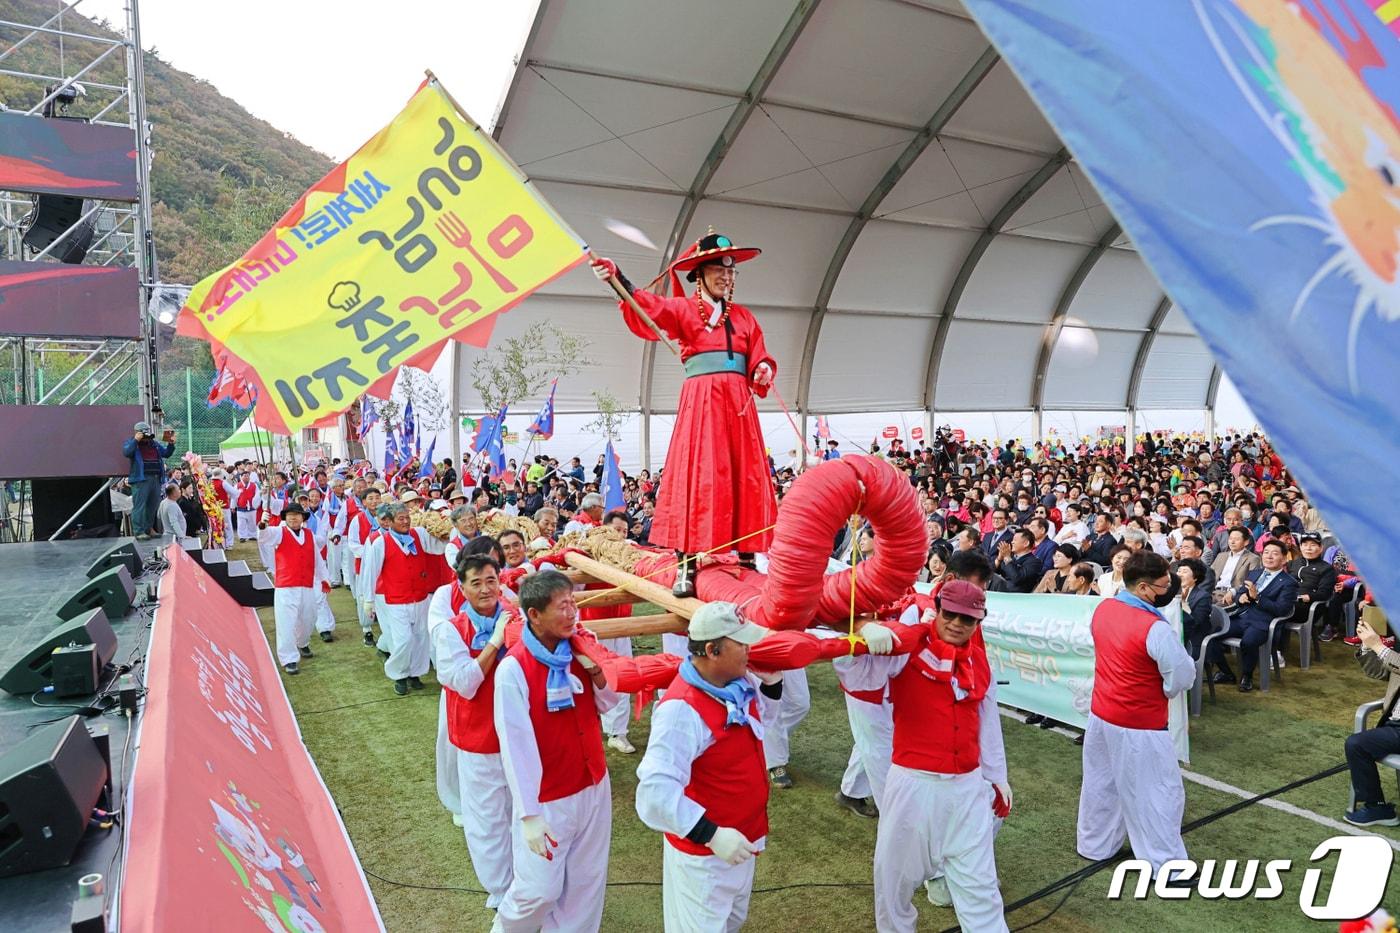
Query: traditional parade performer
{"x": 1132, "y": 784}
{"x": 397, "y": 571}
{"x": 703, "y": 781}
{"x": 364, "y": 523}
{"x": 297, "y": 581}
{"x": 546, "y": 708}
{"x": 467, "y": 644}
{"x": 246, "y": 504}
{"x": 717, "y": 491}
{"x": 938, "y": 808}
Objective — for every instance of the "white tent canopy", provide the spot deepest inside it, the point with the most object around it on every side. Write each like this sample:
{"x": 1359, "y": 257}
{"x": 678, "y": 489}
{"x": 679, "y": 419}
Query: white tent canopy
{"x": 928, "y": 243}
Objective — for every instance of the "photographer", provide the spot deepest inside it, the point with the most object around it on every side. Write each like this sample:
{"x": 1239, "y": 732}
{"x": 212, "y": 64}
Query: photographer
{"x": 147, "y": 474}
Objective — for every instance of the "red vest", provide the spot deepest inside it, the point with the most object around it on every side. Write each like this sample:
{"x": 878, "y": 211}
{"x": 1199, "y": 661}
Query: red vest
{"x": 588, "y": 613}
{"x": 933, "y": 731}
{"x": 296, "y": 563}
{"x": 730, "y": 778}
{"x": 570, "y": 740}
{"x": 403, "y": 578}
{"x": 221, "y": 493}
{"x": 245, "y": 496}
{"x": 470, "y": 725}
{"x": 456, "y": 599}
{"x": 1127, "y": 682}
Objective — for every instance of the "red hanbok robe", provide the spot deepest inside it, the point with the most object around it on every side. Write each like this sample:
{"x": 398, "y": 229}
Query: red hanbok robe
{"x": 717, "y": 487}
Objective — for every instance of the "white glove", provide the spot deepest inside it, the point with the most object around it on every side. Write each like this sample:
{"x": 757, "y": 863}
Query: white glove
{"x": 604, "y": 269}
{"x": 537, "y": 836}
{"x": 768, "y": 678}
{"x": 731, "y": 846}
{"x": 762, "y": 374}
{"x": 878, "y": 639}
{"x": 498, "y": 635}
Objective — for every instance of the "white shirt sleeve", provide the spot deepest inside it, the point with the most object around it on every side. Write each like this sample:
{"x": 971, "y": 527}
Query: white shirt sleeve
{"x": 440, "y": 606}
{"x": 369, "y": 569}
{"x": 678, "y": 737}
{"x": 450, "y": 553}
{"x": 604, "y": 699}
{"x": 1173, "y": 660}
{"x": 989, "y": 737}
{"x": 271, "y": 535}
{"x": 520, "y": 755}
{"x": 431, "y": 544}
{"x": 357, "y": 547}
{"x": 457, "y": 670}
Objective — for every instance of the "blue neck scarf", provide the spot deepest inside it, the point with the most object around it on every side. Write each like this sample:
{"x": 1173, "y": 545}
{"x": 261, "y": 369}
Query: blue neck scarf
{"x": 484, "y": 626}
{"x": 408, "y": 541}
{"x": 559, "y": 689}
{"x": 735, "y": 695}
{"x": 1123, "y": 596}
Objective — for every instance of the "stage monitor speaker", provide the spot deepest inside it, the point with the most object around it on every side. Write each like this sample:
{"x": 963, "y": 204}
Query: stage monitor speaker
{"x": 34, "y": 671}
{"x": 49, "y": 784}
{"x": 55, "y": 500}
{"x": 123, "y": 555}
{"x": 112, "y": 592}
{"x": 55, "y": 214}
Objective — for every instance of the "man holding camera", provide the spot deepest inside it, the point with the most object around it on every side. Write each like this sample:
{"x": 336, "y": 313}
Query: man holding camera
{"x": 147, "y": 474}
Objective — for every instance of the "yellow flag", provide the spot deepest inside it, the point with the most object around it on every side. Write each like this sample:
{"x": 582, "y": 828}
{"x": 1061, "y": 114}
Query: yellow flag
{"x": 422, "y": 235}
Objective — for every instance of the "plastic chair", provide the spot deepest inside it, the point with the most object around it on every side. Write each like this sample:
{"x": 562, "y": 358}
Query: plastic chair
{"x": 1363, "y": 712}
{"x": 1221, "y": 624}
{"x": 1307, "y": 635}
{"x": 1266, "y": 650}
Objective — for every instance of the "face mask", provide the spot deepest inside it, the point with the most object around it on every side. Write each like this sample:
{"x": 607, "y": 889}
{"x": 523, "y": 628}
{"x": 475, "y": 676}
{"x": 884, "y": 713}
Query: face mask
{"x": 1163, "y": 600}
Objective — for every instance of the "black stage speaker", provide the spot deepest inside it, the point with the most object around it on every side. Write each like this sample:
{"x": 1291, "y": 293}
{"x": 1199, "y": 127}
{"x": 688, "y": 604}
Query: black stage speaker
{"x": 121, "y": 555}
{"x": 76, "y": 671}
{"x": 56, "y": 213}
{"x": 112, "y": 592}
{"x": 34, "y": 671}
{"x": 49, "y": 784}
{"x": 57, "y": 499}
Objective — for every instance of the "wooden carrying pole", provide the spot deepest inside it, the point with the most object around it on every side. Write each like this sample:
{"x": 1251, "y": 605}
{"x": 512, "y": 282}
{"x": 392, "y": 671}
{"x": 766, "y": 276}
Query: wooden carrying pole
{"x": 666, "y": 624}
{"x": 637, "y": 586}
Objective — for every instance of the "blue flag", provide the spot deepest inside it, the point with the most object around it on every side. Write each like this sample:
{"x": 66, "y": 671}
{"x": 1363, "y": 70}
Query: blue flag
{"x": 390, "y": 461}
{"x": 1249, "y": 148}
{"x": 490, "y": 440}
{"x": 425, "y": 469}
{"x": 369, "y": 416}
{"x": 611, "y": 487}
{"x": 409, "y": 428}
{"x": 543, "y": 425}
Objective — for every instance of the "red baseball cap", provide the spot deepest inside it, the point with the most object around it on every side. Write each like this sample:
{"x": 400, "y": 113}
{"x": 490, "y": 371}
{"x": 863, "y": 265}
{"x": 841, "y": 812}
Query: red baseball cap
{"x": 963, "y": 598}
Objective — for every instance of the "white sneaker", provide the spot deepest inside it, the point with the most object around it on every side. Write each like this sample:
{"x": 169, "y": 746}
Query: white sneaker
{"x": 457, "y": 819}
{"x": 619, "y": 743}
{"x": 1278, "y": 655}
{"x": 937, "y": 890}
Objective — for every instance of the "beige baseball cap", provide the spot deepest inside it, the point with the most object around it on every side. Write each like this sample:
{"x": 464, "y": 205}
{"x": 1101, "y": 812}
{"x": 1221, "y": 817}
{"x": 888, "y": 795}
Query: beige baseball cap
{"x": 720, "y": 619}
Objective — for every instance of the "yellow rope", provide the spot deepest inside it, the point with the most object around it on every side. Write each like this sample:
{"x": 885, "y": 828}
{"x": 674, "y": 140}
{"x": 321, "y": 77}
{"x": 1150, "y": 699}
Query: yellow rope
{"x": 598, "y": 594}
{"x": 851, "y": 637}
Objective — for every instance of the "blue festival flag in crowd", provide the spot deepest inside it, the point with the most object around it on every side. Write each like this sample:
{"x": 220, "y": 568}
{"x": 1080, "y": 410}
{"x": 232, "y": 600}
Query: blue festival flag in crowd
{"x": 1251, "y": 150}
{"x": 390, "y": 461}
{"x": 490, "y": 440}
{"x": 543, "y": 425}
{"x": 369, "y": 416}
{"x": 611, "y": 487}
{"x": 409, "y": 427}
{"x": 425, "y": 469}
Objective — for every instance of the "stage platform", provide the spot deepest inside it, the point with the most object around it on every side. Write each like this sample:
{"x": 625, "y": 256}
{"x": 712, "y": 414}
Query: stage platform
{"x": 35, "y": 580}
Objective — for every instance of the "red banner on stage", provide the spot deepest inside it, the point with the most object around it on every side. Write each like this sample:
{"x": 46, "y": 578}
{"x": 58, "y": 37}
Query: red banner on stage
{"x": 229, "y": 824}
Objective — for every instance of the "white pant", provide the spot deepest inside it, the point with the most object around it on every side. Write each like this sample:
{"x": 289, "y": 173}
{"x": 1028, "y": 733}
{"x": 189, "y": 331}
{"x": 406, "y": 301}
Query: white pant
{"x": 248, "y": 524}
{"x": 229, "y": 539}
{"x": 615, "y": 718}
{"x": 267, "y": 553}
{"x": 335, "y": 560}
{"x": 325, "y": 619}
{"x": 936, "y": 824}
{"x": 673, "y": 643}
{"x": 486, "y": 821}
{"x": 780, "y": 717}
{"x": 702, "y": 893}
{"x": 872, "y": 729}
{"x": 294, "y": 614}
{"x": 406, "y": 627}
{"x": 448, "y": 784}
{"x": 1131, "y": 786}
{"x": 566, "y": 892}
{"x": 347, "y": 569}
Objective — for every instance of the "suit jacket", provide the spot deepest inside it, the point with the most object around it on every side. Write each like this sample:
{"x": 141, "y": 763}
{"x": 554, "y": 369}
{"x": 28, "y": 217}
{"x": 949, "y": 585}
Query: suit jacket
{"x": 990, "y": 541}
{"x": 1249, "y": 561}
{"x": 1021, "y": 573}
{"x": 1276, "y": 599}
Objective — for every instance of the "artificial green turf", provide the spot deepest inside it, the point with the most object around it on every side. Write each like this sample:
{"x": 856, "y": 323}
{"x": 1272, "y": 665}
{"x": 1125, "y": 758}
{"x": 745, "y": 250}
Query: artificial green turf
{"x": 377, "y": 758}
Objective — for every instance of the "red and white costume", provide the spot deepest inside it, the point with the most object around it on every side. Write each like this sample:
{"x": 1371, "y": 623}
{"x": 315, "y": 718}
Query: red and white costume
{"x": 348, "y": 574}
{"x": 300, "y": 573}
{"x": 246, "y": 506}
{"x": 276, "y": 502}
{"x": 399, "y": 581}
{"x": 358, "y": 532}
{"x": 697, "y": 766}
{"x": 718, "y": 486}
{"x": 1132, "y": 784}
{"x": 469, "y": 696}
{"x": 615, "y": 719}
{"x": 226, "y": 492}
{"x": 936, "y": 811}
{"x": 581, "y": 521}
{"x": 556, "y": 770}
{"x": 333, "y": 507}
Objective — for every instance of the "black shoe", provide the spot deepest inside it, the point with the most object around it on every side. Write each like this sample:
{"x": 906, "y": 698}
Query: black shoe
{"x": 1034, "y": 719}
{"x": 291, "y": 668}
{"x": 860, "y": 806}
{"x": 401, "y": 687}
{"x": 415, "y": 683}
{"x": 1246, "y": 684}
{"x": 748, "y": 560}
{"x": 369, "y": 639}
{"x": 1222, "y": 677}
{"x": 1047, "y": 723}
{"x": 384, "y": 655}
{"x": 305, "y": 651}
{"x": 327, "y": 637}
{"x": 1079, "y": 740}
{"x": 781, "y": 779}
{"x": 684, "y": 587}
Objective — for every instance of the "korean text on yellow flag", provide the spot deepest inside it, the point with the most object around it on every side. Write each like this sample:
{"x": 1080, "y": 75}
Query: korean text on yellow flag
{"x": 421, "y": 235}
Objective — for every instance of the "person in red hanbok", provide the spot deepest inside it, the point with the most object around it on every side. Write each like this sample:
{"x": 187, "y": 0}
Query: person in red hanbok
{"x": 716, "y": 491}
